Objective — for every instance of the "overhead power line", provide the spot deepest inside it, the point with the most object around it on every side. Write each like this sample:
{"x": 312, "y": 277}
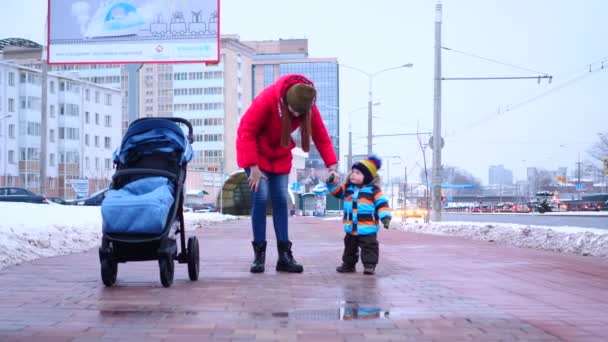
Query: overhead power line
{"x": 594, "y": 68}
{"x": 493, "y": 60}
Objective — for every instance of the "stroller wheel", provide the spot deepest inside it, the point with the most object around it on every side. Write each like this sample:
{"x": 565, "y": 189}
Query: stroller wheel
{"x": 166, "y": 270}
{"x": 193, "y": 258}
{"x": 109, "y": 269}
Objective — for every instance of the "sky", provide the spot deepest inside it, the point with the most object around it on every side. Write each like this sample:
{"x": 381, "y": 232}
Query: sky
{"x": 482, "y": 122}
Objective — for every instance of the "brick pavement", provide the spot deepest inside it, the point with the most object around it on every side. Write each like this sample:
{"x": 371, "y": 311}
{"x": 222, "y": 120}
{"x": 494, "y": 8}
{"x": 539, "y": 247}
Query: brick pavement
{"x": 427, "y": 288}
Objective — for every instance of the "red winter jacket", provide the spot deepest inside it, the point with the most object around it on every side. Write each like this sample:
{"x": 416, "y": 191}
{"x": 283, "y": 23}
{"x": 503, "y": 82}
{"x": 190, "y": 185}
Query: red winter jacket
{"x": 258, "y": 139}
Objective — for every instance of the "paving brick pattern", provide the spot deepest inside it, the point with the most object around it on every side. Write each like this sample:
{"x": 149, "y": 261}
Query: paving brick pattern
{"x": 427, "y": 288}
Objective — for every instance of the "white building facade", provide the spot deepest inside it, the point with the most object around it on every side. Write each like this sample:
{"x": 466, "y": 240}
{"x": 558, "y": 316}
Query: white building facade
{"x": 84, "y": 128}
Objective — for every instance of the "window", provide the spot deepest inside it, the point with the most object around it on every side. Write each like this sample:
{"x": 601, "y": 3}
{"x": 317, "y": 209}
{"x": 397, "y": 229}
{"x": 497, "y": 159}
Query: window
{"x": 96, "y": 96}
{"x": 52, "y": 87}
{"x": 96, "y": 163}
{"x": 11, "y": 79}
{"x": 107, "y": 142}
{"x": 96, "y": 141}
{"x": 11, "y": 105}
{"x": 86, "y": 140}
{"x": 52, "y": 183}
{"x": 108, "y": 164}
{"x": 108, "y": 121}
{"x": 87, "y": 117}
{"x": 22, "y": 78}
{"x": 52, "y": 159}
{"x": 11, "y": 157}
{"x": 52, "y": 135}
{"x": 97, "y": 118}
{"x": 52, "y": 111}
{"x": 87, "y": 94}
{"x": 87, "y": 164}
{"x": 33, "y": 129}
{"x": 61, "y": 86}
{"x": 11, "y": 131}
{"x": 68, "y": 133}
{"x": 61, "y": 109}
{"x": 108, "y": 99}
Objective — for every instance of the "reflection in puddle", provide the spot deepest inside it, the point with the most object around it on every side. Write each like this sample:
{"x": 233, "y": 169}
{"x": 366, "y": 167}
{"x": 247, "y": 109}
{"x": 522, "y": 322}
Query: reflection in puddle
{"x": 347, "y": 311}
{"x": 347, "y": 314}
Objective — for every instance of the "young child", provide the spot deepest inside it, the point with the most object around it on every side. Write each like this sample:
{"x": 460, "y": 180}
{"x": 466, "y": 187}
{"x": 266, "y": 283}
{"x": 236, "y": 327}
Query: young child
{"x": 364, "y": 206}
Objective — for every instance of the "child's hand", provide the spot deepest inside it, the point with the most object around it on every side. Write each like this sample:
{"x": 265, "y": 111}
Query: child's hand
{"x": 333, "y": 179}
{"x": 386, "y": 222}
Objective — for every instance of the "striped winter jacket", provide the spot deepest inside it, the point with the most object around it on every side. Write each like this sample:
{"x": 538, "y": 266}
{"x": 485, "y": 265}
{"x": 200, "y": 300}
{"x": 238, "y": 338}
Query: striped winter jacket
{"x": 364, "y": 206}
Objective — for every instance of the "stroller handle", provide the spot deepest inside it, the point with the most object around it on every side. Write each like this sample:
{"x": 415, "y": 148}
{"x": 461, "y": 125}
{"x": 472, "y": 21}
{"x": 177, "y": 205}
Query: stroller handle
{"x": 177, "y": 120}
{"x": 187, "y": 123}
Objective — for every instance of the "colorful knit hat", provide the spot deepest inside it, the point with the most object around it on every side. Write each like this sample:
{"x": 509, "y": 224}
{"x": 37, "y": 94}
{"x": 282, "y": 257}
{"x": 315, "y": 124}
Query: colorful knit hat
{"x": 369, "y": 167}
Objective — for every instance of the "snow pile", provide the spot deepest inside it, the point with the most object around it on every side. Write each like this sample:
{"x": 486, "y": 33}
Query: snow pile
{"x": 582, "y": 241}
{"x": 32, "y": 231}
{"x": 203, "y": 220}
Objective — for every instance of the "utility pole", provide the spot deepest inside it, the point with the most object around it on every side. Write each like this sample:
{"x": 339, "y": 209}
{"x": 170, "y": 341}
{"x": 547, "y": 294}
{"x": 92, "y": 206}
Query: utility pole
{"x": 437, "y": 143}
{"x": 404, "y": 186}
{"x": 578, "y": 175}
{"x": 437, "y": 139}
{"x": 43, "y": 119}
{"x": 369, "y": 118}
{"x": 349, "y": 160}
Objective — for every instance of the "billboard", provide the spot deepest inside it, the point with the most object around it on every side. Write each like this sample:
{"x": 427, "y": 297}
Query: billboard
{"x": 133, "y": 31}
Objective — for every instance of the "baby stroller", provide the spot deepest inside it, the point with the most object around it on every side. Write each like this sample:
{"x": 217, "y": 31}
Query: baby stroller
{"x": 143, "y": 212}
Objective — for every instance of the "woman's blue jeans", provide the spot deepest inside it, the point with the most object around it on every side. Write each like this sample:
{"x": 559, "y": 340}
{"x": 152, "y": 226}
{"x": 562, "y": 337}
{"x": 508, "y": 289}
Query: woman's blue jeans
{"x": 274, "y": 187}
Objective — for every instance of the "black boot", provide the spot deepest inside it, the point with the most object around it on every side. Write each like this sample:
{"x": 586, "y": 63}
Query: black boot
{"x": 369, "y": 269}
{"x": 345, "y": 268}
{"x": 259, "y": 250}
{"x": 286, "y": 262}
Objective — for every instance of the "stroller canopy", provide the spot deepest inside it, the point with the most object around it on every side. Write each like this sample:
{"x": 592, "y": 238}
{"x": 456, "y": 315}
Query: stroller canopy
{"x": 152, "y": 136}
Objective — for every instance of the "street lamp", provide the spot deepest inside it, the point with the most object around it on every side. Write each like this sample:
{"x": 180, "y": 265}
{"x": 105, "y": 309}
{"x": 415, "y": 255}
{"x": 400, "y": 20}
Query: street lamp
{"x": 349, "y": 161}
{"x": 370, "y": 77}
{"x": 5, "y": 162}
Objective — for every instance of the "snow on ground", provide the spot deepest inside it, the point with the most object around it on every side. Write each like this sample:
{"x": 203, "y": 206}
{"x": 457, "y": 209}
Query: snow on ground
{"x": 32, "y": 231}
{"x": 577, "y": 213}
{"x": 582, "y": 241}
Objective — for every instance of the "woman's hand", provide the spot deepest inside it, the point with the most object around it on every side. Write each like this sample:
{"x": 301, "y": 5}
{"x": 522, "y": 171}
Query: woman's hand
{"x": 254, "y": 178}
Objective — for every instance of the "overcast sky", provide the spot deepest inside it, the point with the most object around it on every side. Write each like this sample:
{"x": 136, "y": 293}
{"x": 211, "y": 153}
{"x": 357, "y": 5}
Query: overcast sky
{"x": 557, "y": 37}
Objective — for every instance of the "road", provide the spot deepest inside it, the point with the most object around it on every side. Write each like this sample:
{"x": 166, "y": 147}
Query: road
{"x": 532, "y": 219}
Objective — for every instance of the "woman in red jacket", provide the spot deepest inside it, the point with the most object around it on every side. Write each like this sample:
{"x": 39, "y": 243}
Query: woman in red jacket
{"x": 263, "y": 149}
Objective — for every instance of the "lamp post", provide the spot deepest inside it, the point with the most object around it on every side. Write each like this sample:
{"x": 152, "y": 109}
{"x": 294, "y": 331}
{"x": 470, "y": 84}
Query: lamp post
{"x": 370, "y": 101}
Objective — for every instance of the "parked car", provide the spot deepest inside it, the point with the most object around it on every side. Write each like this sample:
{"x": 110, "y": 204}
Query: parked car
{"x": 12, "y": 194}
{"x": 95, "y": 199}
{"x": 57, "y": 200}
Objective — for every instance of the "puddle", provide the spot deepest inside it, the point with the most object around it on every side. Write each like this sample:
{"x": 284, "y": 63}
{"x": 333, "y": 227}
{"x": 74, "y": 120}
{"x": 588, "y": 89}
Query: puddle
{"x": 347, "y": 311}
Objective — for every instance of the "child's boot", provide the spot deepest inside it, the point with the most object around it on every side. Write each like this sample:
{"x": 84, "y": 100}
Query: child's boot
{"x": 345, "y": 268}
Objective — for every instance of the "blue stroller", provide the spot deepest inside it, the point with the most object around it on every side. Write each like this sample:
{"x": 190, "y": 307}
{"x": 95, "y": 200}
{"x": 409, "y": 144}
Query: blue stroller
{"x": 143, "y": 212}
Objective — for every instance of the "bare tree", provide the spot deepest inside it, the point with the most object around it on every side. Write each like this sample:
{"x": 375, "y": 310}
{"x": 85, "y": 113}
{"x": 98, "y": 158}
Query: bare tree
{"x": 426, "y": 176}
{"x": 599, "y": 150}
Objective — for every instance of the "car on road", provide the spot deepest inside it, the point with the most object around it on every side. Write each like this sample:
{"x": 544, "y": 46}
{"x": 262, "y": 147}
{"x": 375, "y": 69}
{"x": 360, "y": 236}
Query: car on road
{"x": 95, "y": 199}
{"x": 14, "y": 194}
{"x": 409, "y": 211}
{"x": 201, "y": 207}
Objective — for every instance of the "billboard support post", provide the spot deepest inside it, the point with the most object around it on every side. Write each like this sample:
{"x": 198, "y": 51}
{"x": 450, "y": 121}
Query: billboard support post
{"x": 133, "y": 86}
